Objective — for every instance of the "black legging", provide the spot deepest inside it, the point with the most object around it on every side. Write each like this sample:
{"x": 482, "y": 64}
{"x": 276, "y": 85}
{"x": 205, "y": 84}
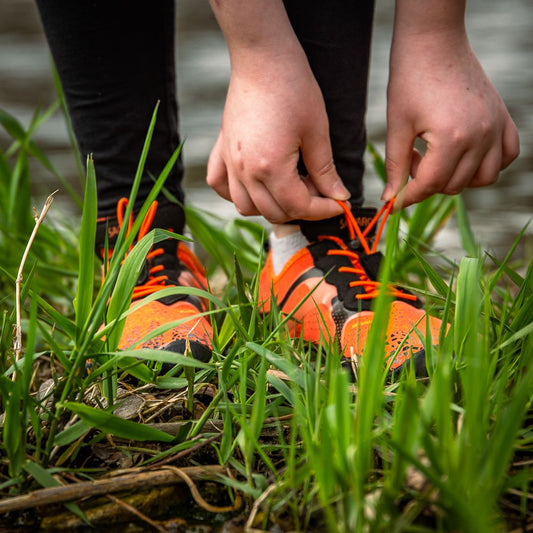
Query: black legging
{"x": 116, "y": 59}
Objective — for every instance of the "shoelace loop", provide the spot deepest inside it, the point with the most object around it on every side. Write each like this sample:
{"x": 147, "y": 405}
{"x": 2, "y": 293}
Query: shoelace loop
{"x": 371, "y": 287}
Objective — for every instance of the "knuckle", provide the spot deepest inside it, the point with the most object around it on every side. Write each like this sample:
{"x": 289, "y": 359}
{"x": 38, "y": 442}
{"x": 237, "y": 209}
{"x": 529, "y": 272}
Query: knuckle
{"x": 325, "y": 169}
{"x": 262, "y": 168}
{"x": 488, "y": 178}
{"x": 485, "y": 128}
{"x": 457, "y": 138}
{"x": 391, "y": 166}
{"x": 512, "y": 153}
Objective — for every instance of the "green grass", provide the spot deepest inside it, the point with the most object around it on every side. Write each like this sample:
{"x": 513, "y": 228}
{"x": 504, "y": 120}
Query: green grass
{"x": 450, "y": 453}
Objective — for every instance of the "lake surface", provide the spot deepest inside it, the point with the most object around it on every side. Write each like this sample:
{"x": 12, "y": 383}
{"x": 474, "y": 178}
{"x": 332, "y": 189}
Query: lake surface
{"x": 501, "y": 34}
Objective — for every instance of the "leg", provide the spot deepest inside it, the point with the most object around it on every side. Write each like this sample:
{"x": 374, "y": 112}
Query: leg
{"x": 116, "y": 61}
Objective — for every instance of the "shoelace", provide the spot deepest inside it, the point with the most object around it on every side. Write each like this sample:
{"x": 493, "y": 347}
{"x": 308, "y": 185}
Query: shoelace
{"x": 154, "y": 282}
{"x": 371, "y": 287}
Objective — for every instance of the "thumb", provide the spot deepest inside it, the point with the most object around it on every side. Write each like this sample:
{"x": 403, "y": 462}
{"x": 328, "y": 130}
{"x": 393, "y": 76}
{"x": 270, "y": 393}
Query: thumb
{"x": 398, "y": 154}
{"x": 318, "y": 159}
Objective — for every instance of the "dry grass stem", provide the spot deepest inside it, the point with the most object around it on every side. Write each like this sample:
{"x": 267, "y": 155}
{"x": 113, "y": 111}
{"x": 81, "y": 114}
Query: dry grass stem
{"x": 248, "y": 528}
{"x": 17, "y": 341}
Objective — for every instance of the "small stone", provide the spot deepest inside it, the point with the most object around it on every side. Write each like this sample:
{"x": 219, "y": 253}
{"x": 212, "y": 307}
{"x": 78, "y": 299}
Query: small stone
{"x": 129, "y": 407}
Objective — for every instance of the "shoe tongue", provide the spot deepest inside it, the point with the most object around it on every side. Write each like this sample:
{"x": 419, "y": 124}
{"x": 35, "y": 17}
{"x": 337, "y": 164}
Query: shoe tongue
{"x": 371, "y": 264}
{"x": 167, "y": 216}
{"x": 169, "y": 257}
{"x": 338, "y": 226}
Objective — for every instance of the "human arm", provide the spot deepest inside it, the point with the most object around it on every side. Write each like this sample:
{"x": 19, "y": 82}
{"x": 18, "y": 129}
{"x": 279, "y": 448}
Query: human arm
{"x": 438, "y": 91}
{"x": 274, "y": 111}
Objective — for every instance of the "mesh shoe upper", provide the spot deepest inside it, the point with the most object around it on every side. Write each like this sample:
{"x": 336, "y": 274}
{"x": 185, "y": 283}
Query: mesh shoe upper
{"x": 336, "y": 279}
{"x": 168, "y": 263}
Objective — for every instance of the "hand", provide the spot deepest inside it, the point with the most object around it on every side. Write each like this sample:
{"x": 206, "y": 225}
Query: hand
{"x": 438, "y": 91}
{"x": 274, "y": 111}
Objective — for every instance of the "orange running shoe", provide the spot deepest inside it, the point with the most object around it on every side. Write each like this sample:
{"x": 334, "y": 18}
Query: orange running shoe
{"x": 168, "y": 263}
{"x": 336, "y": 278}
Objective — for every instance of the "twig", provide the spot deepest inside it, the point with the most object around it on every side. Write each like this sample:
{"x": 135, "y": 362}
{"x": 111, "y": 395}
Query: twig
{"x": 17, "y": 341}
{"x": 137, "y": 513}
{"x": 184, "y": 453}
{"x": 66, "y": 493}
{"x": 525, "y": 529}
{"x": 198, "y": 497}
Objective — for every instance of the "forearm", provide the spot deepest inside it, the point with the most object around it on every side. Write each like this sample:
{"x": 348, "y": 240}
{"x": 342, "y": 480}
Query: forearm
{"x": 429, "y": 17}
{"x": 429, "y": 35}
{"x": 256, "y": 31}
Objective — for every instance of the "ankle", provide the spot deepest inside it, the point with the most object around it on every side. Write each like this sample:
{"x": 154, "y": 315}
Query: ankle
{"x": 285, "y": 241}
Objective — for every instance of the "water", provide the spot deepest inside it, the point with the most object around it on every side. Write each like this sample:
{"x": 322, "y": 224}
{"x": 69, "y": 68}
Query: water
{"x": 500, "y": 33}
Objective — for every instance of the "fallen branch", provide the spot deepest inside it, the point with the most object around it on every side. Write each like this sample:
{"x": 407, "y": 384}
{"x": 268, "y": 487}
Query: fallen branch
{"x": 75, "y": 491}
{"x": 113, "y": 516}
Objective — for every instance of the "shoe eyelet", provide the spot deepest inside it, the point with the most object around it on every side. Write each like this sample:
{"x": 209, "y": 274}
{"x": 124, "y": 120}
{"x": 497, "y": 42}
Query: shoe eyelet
{"x": 354, "y": 244}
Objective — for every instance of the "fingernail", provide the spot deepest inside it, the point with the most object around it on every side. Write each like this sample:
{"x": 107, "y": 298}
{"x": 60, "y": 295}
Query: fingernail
{"x": 387, "y": 193}
{"x": 340, "y": 192}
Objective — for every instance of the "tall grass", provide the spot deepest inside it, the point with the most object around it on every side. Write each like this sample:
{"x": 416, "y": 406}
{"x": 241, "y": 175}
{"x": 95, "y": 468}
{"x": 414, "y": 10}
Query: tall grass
{"x": 449, "y": 453}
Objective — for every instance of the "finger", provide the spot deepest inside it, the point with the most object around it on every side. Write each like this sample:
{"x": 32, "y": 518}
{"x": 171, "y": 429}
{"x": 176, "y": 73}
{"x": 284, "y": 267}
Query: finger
{"x": 297, "y": 200}
{"x": 489, "y": 170}
{"x": 510, "y": 143}
{"x": 416, "y": 159}
{"x": 217, "y": 174}
{"x": 267, "y": 204}
{"x": 398, "y": 160}
{"x": 321, "y": 208}
{"x": 241, "y": 199}
{"x": 432, "y": 174}
{"x": 463, "y": 174}
{"x": 313, "y": 191}
{"x": 318, "y": 159}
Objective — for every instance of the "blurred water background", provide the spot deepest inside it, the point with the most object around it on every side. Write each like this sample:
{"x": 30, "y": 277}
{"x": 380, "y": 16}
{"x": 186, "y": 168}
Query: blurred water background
{"x": 501, "y": 34}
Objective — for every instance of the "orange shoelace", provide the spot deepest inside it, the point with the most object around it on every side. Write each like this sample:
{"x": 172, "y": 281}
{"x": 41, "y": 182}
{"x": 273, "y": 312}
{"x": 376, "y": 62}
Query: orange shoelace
{"x": 370, "y": 287}
{"x": 154, "y": 282}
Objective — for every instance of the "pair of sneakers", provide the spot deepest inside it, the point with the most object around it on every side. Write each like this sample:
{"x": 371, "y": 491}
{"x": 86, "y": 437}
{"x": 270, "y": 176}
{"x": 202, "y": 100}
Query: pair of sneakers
{"x": 328, "y": 286}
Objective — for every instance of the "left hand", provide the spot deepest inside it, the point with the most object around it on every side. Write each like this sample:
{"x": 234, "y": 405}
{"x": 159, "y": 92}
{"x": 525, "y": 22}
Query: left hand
{"x": 438, "y": 91}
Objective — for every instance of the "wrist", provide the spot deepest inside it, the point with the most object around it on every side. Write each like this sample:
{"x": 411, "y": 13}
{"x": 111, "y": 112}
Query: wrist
{"x": 430, "y": 19}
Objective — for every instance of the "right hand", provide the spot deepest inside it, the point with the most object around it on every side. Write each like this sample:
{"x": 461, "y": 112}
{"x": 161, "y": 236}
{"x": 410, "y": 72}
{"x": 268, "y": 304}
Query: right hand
{"x": 275, "y": 110}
